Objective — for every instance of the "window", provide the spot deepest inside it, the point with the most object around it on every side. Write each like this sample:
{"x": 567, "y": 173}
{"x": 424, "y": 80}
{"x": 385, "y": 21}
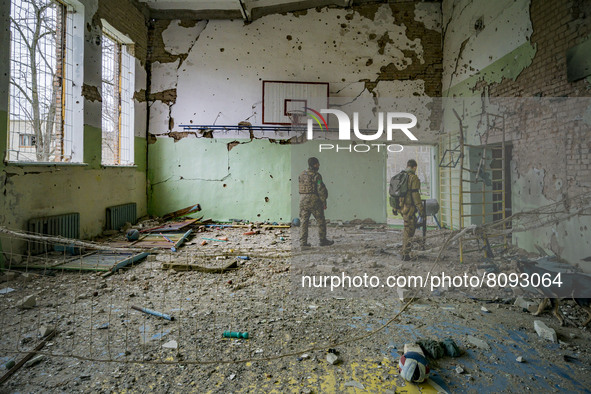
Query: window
{"x": 27, "y": 141}
{"x": 42, "y": 111}
{"x": 117, "y": 95}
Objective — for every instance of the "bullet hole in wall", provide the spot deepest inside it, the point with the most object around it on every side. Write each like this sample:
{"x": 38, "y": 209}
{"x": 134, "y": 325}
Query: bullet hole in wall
{"x": 266, "y": 199}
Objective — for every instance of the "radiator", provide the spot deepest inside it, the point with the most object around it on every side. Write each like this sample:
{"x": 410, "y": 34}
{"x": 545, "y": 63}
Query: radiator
{"x": 67, "y": 225}
{"x": 119, "y": 214}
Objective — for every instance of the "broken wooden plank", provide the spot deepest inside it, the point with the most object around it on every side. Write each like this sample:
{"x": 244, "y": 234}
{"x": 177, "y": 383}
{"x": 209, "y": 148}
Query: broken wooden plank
{"x": 182, "y": 212}
{"x": 195, "y": 267}
{"x": 155, "y": 240}
{"x": 170, "y": 226}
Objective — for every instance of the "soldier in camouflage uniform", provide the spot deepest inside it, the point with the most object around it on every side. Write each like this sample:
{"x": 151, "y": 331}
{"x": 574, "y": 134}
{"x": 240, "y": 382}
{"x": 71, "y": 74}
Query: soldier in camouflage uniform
{"x": 411, "y": 203}
{"x": 313, "y": 195}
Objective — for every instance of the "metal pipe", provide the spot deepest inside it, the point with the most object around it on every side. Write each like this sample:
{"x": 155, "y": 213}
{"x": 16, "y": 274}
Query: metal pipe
{"x": 154, "y": 313}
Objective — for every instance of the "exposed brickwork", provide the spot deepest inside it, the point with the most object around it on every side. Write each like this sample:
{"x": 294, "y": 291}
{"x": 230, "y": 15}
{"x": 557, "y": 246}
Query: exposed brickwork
{"x": 431, "y": 69}
{"x": 551, "y": 135}
{"x": 130, "y": 18}
{"x": 158, "y": 52}
{"x": 557, "y": 26}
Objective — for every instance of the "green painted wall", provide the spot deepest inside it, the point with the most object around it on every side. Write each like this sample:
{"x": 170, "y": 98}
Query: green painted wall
{"x": 92, "y": 146}
{"x": 355, "y": 181}
{"x": 250, "y": 181}
{"x": 141, "y": 154}
{"x": 235, "y": 184}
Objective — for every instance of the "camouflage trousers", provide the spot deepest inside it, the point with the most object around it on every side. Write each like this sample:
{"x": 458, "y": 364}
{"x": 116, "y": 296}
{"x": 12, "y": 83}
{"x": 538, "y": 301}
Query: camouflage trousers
{"x": 410, "y": 226}
{"x": 310, "y": 204}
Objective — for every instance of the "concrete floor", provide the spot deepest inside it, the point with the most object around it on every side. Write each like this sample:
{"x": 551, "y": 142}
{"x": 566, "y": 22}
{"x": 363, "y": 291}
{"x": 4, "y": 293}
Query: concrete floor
{"x": 264, "y": 297}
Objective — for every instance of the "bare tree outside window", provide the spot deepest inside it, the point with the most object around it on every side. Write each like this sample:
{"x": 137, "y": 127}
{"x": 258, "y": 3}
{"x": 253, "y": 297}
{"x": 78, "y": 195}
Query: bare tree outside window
{"x": 37, "y": 60}
{"x": 118, "y": 75}
{"x": 111, "y": 100}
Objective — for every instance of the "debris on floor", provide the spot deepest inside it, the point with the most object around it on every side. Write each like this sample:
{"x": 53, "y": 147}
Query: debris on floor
{"x": 213, "y": 288}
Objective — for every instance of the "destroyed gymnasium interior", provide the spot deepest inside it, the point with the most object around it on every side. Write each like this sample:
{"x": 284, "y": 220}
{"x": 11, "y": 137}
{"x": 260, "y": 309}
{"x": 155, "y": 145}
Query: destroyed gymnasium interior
{"x": 281, "y": 196}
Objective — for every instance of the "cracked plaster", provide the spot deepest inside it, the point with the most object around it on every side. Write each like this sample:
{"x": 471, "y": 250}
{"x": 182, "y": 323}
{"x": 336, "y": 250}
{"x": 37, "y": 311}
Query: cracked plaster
{"x": 507, "y": 26}
{"x": 227, "y": 57}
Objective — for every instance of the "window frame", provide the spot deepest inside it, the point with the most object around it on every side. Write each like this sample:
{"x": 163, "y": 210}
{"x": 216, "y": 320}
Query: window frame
{"x": 71, "y": 135}
{"x": 125, "y": 132}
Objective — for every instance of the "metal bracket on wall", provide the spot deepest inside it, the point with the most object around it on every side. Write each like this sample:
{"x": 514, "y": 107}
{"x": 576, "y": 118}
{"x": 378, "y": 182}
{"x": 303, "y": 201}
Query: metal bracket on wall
{"x": 451, "y": 161}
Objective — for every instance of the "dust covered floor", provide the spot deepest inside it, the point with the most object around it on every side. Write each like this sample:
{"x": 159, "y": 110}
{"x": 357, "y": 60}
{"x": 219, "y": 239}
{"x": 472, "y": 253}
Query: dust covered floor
{"x": 103, "y": 345}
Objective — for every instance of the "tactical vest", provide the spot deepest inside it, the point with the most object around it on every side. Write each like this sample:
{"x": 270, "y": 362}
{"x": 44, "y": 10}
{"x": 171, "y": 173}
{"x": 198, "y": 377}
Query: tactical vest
{"x": 307, "y": 185}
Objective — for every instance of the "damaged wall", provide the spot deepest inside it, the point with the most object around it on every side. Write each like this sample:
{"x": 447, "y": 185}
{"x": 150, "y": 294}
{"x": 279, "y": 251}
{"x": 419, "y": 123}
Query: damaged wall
{"x": 246, "y": 181}
{"x": 37, "y": 190}
{"x": 518, "y": 49}
{"x": 211, "y": 72}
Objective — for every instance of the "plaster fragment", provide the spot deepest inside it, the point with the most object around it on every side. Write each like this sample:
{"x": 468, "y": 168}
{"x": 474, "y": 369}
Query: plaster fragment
{"x": 91, "y": 93}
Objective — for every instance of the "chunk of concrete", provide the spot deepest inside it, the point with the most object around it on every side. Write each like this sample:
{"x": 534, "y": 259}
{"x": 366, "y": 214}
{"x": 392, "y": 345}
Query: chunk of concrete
{"x": 171, "y": 345}
{"x": 526, "y": 304}
{"x": 401, "y": 292}
{"x": 27, "y": 302}
{"x": 479, "y": 343}
{"x": 544, "y": 331}
{"x": 519, "y": 359}
{"x": 34, "y": 361}
{"x": 45, "y": 331}
{"x": 332, "y": 359}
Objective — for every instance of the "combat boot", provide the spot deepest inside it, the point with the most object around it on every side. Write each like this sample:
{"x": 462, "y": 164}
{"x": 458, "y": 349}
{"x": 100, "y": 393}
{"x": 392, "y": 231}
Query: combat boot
{"x": 326, "y": 242}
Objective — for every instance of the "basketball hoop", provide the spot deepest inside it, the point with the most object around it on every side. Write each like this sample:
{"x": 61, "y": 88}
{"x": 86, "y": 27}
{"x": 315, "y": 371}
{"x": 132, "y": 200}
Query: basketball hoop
{"x": 297, "y": 117}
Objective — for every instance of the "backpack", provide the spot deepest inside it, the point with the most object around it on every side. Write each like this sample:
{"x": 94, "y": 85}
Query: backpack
{"x": 398, "y": 188}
